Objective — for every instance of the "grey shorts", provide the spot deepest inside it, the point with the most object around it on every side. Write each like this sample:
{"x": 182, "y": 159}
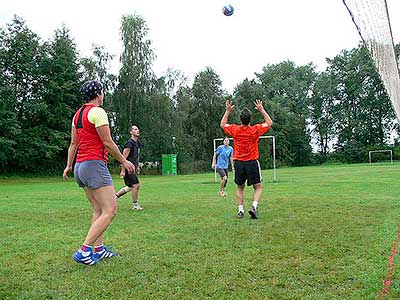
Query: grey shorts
{"x": 93, "y": 174}
{"x": 222, "y": 172}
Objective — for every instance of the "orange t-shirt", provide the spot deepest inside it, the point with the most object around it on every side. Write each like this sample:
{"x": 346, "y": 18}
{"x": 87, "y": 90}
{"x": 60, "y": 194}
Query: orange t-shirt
{"x": 246, "y": 139}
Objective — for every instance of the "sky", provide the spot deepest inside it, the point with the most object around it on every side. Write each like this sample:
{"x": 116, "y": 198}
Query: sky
{"x": 192, "y": 35}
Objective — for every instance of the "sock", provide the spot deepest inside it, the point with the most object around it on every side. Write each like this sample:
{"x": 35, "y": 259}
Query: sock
{"x": 135, "y": 203}
{"x": 99, "y": 248}
{"x": 255, "y": 203}
{"x": 241, "y": 208}
{"x": 85, "y": 249}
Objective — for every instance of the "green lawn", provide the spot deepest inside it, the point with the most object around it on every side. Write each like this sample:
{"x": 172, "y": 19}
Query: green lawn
{"x": 322, "y": 233}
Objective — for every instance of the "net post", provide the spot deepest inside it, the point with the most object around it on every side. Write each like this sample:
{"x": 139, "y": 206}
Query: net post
{"x": 215, "y": 169}
{"x": 273, "y": 155}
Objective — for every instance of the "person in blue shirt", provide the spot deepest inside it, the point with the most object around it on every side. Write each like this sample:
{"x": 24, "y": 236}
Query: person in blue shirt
{"x": 222, "y": 156}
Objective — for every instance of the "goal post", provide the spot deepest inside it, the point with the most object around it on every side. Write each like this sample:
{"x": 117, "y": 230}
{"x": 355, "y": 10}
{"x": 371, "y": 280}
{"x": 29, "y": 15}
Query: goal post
{"x": 261, "y": 137}
{"x": 380, "y": 151}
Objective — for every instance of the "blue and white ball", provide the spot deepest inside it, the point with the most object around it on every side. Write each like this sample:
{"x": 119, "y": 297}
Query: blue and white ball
{"x": 228, "y": 10}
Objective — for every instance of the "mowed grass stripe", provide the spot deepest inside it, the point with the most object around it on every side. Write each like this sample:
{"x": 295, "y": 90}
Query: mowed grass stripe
{"x": 323, "y": 233}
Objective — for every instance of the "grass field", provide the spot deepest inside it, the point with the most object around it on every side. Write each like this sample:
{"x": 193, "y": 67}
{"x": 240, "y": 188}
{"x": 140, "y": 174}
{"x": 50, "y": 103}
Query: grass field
{"x": 322, "y": 233}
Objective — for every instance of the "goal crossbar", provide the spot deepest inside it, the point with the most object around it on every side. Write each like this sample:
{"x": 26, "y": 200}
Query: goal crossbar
{"x": 261, "y": 137}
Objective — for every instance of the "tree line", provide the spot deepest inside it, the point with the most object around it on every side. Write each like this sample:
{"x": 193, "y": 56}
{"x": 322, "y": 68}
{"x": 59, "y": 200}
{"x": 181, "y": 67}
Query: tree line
{"x": 334, "y": 115}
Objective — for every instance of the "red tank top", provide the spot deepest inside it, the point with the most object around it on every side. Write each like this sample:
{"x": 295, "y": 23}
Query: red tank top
{"x": 90, "y": 146}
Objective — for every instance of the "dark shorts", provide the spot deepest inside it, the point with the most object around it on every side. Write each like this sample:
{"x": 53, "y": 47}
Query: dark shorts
{"x": 93, "y": 174}
{"x": 130, "y": 179}
{"x": 222, "y": 172}
{"x": 247, "y": 170}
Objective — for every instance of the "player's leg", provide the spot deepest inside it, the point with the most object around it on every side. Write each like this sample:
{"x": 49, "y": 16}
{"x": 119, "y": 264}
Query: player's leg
{"x": 96, "y": 180}
{"x": 222, "y": 187}
{"x": 240, "y": 179}
{"x": 239, "y": 195}
{"x": 222, "y": 173}
{"x": 255, "y": 179}
{"x": 100, "y": 250}
{"x": 104, "y": 199}
{"x": 128, "y": 185}
{"x": 86, "y": 253}
{"x": 135, "y": 192}
{"x": 96, "y": 211}
{"x": 108, "y": 207}
{"x": 224, "y": 182}
{"x": 123, "y": 191}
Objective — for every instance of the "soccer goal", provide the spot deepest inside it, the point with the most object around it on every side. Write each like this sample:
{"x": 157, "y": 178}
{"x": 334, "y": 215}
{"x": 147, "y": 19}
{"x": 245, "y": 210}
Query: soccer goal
{"x": 371, "y": 19}
{"x": 380, "y": 151}
{"x": 261, "y": 137}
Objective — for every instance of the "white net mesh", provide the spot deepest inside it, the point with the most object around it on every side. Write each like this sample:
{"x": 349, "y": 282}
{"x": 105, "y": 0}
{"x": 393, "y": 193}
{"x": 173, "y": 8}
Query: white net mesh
{"x": 371, "y": 19}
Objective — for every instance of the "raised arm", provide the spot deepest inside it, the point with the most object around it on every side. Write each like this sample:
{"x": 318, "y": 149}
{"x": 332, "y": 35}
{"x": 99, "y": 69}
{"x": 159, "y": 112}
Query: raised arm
{"x": 228, "y": 110}
{"x": 259, "y": 106}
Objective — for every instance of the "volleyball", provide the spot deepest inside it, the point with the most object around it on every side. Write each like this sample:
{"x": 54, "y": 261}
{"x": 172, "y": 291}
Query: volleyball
{"x": 228, "y": 10}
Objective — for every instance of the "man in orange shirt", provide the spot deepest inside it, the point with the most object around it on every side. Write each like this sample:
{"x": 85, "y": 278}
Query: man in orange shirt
{"x": 245, "y": 157}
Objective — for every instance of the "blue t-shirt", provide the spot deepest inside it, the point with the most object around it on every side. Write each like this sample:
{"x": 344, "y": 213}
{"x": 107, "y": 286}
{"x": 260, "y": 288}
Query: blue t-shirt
{"x": 224, "y": 154}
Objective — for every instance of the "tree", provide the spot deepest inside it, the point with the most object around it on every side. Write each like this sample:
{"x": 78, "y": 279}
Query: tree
{"x": 96, "y": 68}
{"x": 136, "y": 78}
{"x": 286, "y": 90}
{"x": 61, "y": 97}
{"x": 321, "y": 112}
{"x": 363, "y": 113}
{"x": 22, "y": 56}
{"x": 208, "y": 108}
{"x": 9, "y": 125}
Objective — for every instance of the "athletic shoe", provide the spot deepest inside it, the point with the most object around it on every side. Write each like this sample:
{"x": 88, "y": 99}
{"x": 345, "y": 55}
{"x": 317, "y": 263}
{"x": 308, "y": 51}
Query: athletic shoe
{"x": 86, "y": 258}
{"x": 253, "y": 212}
{"x": 137, "y": 207}
{"x": 104, "y": 254}
{"x": 222, "y": 194}
{"x": 240, "y": 214}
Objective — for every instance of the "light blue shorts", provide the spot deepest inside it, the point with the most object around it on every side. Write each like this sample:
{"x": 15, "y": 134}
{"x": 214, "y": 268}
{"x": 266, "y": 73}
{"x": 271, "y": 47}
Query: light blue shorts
{"x": 93, "y": 174}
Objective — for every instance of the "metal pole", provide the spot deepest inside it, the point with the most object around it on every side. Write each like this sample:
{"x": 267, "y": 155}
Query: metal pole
{"x": 273, "y": 151}
{"x": 215, "y": 169}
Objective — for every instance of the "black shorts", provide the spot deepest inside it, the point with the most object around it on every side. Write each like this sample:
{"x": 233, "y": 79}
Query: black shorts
{"x": 247, "y": 170}
{"x": 130, "y": 179}
{"x": 222, "y": 172}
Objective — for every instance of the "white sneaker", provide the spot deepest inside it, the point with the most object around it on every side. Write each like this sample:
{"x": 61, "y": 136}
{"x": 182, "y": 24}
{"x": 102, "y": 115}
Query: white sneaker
{"x": 137, "y": 207}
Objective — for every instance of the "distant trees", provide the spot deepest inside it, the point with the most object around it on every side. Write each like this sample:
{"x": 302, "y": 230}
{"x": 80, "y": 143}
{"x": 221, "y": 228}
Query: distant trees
{"x": 355, "y": 111}
{"x": 336, "y": 114}
{"x": 39, "y": 89}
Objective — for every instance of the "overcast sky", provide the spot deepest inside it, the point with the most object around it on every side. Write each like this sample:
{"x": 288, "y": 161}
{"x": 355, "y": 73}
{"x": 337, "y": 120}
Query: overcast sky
{"x": 191, "y": 35}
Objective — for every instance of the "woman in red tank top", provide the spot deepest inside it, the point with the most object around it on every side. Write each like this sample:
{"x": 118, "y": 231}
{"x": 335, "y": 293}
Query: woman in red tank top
{"x": 90, "y": 142}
